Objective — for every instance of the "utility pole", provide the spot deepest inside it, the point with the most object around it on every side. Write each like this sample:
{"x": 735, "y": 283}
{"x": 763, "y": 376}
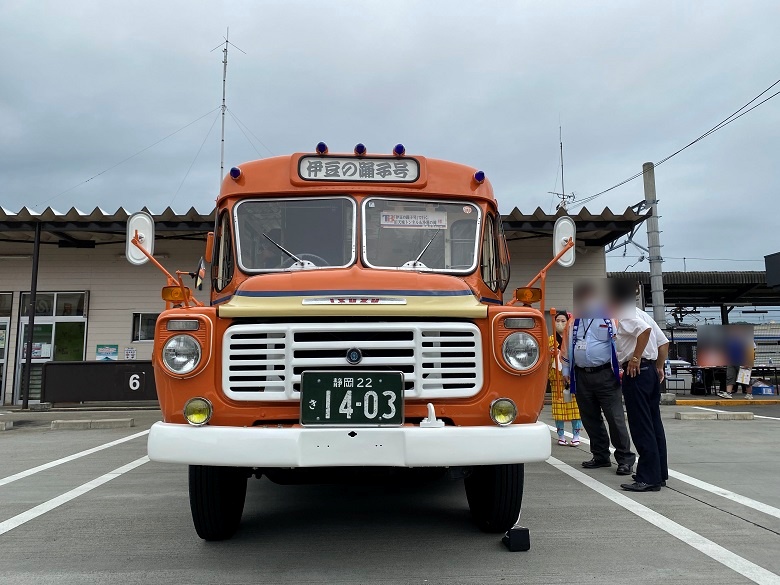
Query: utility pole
{"x": 654, "y": 246}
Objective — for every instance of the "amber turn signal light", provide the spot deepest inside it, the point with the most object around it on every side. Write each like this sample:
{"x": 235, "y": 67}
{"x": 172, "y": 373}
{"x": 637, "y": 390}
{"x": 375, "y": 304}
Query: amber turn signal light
{"x": 528, "y": 295}
{"x": 176, "y": 294}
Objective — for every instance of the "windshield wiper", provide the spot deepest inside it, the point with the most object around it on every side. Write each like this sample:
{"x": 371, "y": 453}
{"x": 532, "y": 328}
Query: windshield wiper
{"x": 283, "y": 249}
{"x": 416, "y": 262}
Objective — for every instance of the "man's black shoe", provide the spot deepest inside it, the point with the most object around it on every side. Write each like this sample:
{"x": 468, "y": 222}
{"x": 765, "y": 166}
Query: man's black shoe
{"x": 640, "y": 486}
{"x": 594, "y": 463}
{"x": 623, "y": 469}
{"x": 662, "y": 484}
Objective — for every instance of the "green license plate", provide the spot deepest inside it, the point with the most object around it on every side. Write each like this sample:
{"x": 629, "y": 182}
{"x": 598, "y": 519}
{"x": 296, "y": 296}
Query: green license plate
{"x": 352, "y": 398}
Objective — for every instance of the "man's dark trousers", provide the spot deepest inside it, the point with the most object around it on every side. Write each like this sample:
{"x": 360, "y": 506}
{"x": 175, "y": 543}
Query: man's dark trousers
{"x": 643, "y": 398}
{"x": 599, "y": 391}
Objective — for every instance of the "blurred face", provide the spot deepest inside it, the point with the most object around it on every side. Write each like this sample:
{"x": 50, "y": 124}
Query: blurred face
{"x": 560, "y": 323}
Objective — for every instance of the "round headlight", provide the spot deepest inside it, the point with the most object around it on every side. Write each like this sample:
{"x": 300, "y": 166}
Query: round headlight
{"x": 197, "y": 411}
{"x": 521, "y": 350}
{"x": 181, "y": 354}
{"x": 503, "y": 411}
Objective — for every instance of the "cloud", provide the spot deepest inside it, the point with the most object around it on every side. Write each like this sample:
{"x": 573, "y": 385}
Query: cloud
{"x": 87, "y": 84}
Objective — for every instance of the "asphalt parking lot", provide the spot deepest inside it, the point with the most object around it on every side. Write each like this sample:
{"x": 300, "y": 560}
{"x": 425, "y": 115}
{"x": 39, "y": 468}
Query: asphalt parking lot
{"x": 109, "y": 516}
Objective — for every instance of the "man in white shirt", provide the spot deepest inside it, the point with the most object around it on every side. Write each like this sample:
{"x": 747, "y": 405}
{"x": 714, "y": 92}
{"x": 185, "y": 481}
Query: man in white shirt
{"x": 637, "y": 344}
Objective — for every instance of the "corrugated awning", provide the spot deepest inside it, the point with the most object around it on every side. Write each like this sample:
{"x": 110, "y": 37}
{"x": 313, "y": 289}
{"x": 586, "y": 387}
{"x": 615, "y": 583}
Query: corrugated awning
{"x": 710, "y": 289}
{"x": 79, "y": 228}
{"x": 592, "y": 229}
{"x": 76, "y": 226}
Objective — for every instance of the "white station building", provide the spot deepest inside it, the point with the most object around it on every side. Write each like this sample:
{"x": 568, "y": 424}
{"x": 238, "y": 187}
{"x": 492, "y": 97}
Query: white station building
{"x": 92, "y": 304}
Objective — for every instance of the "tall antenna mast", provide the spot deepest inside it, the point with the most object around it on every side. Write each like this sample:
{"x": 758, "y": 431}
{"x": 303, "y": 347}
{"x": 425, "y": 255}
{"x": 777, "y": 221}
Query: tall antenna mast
{"x": 560, "y": 140}
{"x": 224, "y": 95}
{"x": 563, "y": 196}
{"x": 224, "y": 105}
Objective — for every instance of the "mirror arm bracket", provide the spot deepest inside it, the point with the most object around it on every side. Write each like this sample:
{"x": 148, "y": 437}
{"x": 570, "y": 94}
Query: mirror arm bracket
{"x": 137, "y": 243}
{"x": 172, "y": 281}
{"x": 542, "y": 274}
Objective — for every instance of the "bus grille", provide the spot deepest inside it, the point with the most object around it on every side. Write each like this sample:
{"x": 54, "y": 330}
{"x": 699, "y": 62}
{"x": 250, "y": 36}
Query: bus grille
{"x": 264, "y": 362}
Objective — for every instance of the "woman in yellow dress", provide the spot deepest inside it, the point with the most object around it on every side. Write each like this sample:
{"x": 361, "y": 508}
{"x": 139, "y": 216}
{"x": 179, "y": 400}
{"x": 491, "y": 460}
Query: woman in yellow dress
{"x": 562, "y": 410}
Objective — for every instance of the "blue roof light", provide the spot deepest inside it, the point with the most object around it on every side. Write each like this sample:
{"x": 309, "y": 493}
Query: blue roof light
{"x": 235, "y": 173}
{"x": 360, "y": 149}
{"x": 479, "y": 177}
{"x": 399, "y": 150}
{"x": 322, "y": 148}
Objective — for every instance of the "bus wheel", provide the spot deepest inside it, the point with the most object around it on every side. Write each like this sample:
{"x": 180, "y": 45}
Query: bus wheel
{"x": 495, "y": 495}
{"x": 217, "y": 500}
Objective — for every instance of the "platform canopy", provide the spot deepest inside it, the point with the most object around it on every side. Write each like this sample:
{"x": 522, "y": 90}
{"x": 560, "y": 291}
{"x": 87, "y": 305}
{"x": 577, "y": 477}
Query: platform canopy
{"x": 593, "y": 229}
{"x": 78, "y": 229}
{"x": 710, "y": 289}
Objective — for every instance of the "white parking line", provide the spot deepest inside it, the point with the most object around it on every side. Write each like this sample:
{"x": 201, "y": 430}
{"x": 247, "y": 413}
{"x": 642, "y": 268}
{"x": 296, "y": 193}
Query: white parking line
{"x": 708, "y": 487}
{"x": 56, "y": 462}
{"x": 50, "y": 505}
{"x": 754, "y": 415}
{"x": 716, "y": 552}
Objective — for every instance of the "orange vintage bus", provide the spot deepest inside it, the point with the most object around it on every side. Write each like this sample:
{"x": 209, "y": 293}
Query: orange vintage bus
{"x": 357, "y": 320}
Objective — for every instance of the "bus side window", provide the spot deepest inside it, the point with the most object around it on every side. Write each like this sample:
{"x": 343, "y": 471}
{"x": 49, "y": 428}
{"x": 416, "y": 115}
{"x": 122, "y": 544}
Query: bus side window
{"x": 222, "y": 266}
{"x": 503, "y": 255}
{"x": 489, "y": 267}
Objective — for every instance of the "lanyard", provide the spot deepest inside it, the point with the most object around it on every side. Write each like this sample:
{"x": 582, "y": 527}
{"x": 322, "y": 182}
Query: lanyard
{"x": 610, "y": 331}
{"x": 586, "y": 328}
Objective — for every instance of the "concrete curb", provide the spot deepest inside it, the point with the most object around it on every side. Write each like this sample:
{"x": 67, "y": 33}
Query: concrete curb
{"x": 83, "y": 425}
{"x": 729, "y": 402}
{"x": 713, "y": 415}
{"x": 696, "y": 415}
{"x": 6, "y": 425}
{"x": 735, "y": 415}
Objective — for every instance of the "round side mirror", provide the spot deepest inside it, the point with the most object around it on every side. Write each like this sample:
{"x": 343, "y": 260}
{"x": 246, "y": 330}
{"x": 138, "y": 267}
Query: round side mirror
{"x": 565, "y": 229}
{"x": 140, "y": 223}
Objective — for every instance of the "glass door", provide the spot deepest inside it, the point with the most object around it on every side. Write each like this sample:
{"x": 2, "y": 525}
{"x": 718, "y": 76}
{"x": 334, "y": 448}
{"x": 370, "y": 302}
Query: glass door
{"x": 42, "y": 351}
{"x": 3, "y": 351}
{"x": 59, "y": 334}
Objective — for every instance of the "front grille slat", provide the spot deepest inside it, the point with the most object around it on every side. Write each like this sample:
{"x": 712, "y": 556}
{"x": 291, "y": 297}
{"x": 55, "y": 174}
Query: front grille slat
{"x": 265, "y": 361}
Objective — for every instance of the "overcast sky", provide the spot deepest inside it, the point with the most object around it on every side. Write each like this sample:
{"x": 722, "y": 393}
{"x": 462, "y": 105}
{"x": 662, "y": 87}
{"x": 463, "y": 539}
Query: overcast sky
{"x": 84, "y": 85}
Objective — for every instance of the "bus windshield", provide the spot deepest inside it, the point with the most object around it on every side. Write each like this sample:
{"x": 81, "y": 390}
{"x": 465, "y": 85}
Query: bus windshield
{"x": 287, "y": 234}
{"x": 410, "y": 234}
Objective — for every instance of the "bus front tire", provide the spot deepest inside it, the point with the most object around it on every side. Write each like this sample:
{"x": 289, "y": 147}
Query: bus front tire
{"x": 495, "y": 495}
{"x": 217, "y": 500}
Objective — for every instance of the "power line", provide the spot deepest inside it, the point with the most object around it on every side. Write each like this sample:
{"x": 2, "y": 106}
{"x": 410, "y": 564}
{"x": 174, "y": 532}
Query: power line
{"x": 725, "y": 122}
{"x": 125, "y": 159}
{"x": 197, "y": 154}
{"x": 252, "y": 144}
{"x": 698, "y": 258}
{"x": 252, "y": 133}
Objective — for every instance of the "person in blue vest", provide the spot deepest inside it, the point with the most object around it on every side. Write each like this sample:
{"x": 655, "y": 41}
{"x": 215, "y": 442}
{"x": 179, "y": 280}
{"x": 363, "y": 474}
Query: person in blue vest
{"x": 591, "y": 367}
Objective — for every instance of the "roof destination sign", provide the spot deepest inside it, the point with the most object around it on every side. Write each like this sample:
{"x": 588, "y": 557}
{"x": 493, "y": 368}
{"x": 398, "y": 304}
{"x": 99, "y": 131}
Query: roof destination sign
{"x": 364, "y": 169}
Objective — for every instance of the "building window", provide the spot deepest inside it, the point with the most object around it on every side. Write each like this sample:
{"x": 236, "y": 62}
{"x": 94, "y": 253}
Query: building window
{"x": 60, "y": 304}
{"x": 143, "y": 326}
{"x": 6, "y": 302}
